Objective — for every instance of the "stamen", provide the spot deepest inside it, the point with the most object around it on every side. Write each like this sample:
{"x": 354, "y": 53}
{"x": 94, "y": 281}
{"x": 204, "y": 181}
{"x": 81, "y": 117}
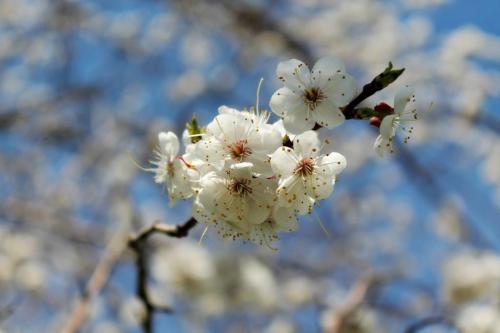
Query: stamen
{"x": 257, "y": 97}
{"x": 186, "y": 163}
{"x": 202, "y": 237}
{"x": 240, "y": 187}
{"x": 312, "y": 97}
{"x": 304, "y": 168}
{"x": 323, "y": 228}
{"x": 138, "y": 165}
{"x": 239, "y": 150}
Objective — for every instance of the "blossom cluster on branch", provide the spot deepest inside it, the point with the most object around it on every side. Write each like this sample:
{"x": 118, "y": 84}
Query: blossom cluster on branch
{"x": 249, "y": 178}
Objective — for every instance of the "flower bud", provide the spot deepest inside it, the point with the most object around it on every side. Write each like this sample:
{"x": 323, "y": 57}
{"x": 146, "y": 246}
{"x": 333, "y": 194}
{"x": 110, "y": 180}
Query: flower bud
{"x": 375, "y": 121}
{"x": 383, "y": 109}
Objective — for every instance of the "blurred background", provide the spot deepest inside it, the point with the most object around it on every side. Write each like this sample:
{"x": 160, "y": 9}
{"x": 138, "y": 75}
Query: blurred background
{"x": 86, "y": 85}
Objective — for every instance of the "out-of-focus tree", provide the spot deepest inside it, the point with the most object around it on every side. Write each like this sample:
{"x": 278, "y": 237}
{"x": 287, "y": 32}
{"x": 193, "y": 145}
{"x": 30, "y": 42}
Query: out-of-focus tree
{"x": 85, "y": 86}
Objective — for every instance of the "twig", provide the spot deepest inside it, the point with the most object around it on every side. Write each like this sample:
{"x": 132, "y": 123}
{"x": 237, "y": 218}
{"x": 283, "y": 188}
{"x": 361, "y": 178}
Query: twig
{"x": 388, "y": 76}
{"x": 97, "y": 281}
{"x": 138, "y": 244}
{"x": 177, "y": 231}
{"x": 112, "y": 254}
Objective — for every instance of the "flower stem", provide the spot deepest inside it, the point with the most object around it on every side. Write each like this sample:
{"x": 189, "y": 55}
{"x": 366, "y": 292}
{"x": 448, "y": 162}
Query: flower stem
{"x": 381, "y": 81}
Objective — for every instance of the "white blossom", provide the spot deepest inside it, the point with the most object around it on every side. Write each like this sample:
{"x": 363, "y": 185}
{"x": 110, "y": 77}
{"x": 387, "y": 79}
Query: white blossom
{"x": 173, "y": 170}
{"x": 310, "y": 97}
{"x": 247, "y": 179}
{"x": 169, "y": 267}
{"x": 404, "y": 112}
{"x": 237, "y": 197}
{"x": 479, "y": 318}
{"x": 239, "y": 136}
{"x": 132, "y": 312}
{"x": 471, "y": 275}
{"x": 304, "y": 175}
{"x": 258, "y": 284}
{"x": 265, "y": 233}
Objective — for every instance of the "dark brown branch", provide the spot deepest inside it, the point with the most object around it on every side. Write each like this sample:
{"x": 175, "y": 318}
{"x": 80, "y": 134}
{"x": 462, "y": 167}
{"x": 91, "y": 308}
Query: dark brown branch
{"x": 138, "y": 243}
{"x": 177, "y": 231}
{"x": 381, "y": 81}
{"x": 103, "y": 269}
{"x": 141, "y": 285}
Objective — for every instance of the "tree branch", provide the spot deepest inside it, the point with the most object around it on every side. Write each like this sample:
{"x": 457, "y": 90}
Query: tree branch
{"x": 96, "y": 282}
{"x": 138, "y": 244}
{"x": 381, "y": 81}
{"x": 112, "y": 254}
{"x": 177, "y": 231}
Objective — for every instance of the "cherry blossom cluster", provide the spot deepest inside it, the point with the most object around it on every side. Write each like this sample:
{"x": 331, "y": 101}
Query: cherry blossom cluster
{"x": 249, "y": 178}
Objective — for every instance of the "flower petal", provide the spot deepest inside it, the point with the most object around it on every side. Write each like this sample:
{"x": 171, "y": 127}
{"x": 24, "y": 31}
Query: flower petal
{"x": 223, "y": 109}
{"x": 211, "y": 151}
{"x": 289, "y": 190}
{"x": 212, "y": 188}
{"x": 264, "y": 139}
{"x": 307, "y": 144}
{"x": 258, "y": 211}
{"x": 403, "y": 96}
{"x": 241, "y": 170}
{"x": 233, "y": 208}
{"x": 279, "y": 127}
{"x": 328, "y": 114}
{"x": 261, "y": 164}
{"x": 200, "y": 213}
{"x": 169, "y": 143}
{"x": 341, "y": 89}
{"x": 180, "y": 186}
{"x": 334, "y": 161}
{"x": 379, "y": 145}
{"x": 285, "y": 218}
{"x": 324, "y": 69}
{"x": 284, "y": 100}
{"x": 283, "y": 162}
{"x": 229, "y": 230}
{"x": 264, "y": 234}
{"x": 294, "y": 74}
{"x": 387, "y": 129}
{"x": 298, "y": 120}
{"x": 320, "y": 185}
{"x": 304, "y": 204}
{"x": 227, "y": 127}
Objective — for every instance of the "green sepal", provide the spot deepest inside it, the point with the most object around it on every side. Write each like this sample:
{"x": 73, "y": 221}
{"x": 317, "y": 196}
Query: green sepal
{"x": 287, "y": 142}
{"x": 194, "y": 130}
{"x": 364, "y": 113}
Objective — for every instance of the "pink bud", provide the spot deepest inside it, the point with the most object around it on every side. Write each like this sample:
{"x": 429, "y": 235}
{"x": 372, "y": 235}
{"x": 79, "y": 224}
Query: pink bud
{"x": 383, "y": 109}
{"x": 375, "y": 121}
